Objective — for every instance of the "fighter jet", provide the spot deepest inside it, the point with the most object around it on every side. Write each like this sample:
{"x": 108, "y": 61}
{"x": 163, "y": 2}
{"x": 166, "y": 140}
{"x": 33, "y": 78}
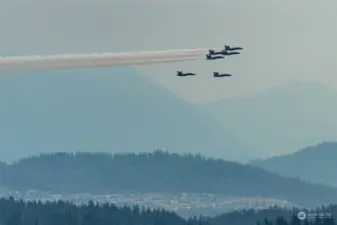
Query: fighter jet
{"x": 210, "y": 57}
{"x": 212, "y": 52}
{"x": 224, "y": 52}
{"x": 181, "y": 74}
{"x": 216, "y": 74}
{"x": 228, "y": 48}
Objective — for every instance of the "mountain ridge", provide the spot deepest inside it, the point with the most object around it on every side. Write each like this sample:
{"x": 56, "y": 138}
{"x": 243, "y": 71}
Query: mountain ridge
{"x": 315, "y": 163}
{"x": 158, "y": 171}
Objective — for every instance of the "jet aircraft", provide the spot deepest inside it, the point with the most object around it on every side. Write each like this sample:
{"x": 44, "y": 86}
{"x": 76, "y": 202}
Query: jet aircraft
{"x": 210, "y": 57}
{"x": 228, "y": 48}
{"x": 181, "y": 74}
{"x": 223, "y": 52}
{"x": 212, "y": 52}
{"x": 216, "y": 74}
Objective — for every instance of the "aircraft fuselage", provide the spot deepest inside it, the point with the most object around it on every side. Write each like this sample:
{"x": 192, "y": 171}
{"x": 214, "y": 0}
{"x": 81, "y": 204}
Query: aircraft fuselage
{"x": 214, "y": 57}
{"x": 232, "y": 49}
{"x": 185, "y": 74}
{"x": 223, "y": 75}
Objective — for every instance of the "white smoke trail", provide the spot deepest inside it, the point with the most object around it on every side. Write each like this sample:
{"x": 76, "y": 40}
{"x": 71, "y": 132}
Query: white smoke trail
{"x": 69, "y": 61}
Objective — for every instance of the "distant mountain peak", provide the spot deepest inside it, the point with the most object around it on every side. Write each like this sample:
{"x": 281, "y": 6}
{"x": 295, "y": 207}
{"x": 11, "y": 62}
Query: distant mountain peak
{"x": 315, "y": 163}
{"x": 321, "y": 148}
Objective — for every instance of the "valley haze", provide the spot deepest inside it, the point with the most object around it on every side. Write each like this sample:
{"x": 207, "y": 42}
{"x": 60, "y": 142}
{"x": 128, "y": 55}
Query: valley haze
{"x": 99, "y": 109}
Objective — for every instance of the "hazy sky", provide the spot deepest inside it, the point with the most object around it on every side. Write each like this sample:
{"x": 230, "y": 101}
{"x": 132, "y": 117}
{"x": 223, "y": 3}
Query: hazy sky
{"x": 283, "y": 40}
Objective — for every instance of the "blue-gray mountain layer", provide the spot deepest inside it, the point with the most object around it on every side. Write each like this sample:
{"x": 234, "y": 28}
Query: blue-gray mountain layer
{"x": 107, "y": 109}
{"x": 315, "y": 163}
{"x": 282, "y": 119}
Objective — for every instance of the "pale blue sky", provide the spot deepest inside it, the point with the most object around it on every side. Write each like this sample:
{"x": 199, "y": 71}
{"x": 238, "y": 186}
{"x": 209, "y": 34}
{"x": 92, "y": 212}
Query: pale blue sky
{"x": 283, "y": 40}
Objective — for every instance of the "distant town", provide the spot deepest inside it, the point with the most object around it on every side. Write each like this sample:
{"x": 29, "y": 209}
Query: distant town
{"x": 184, "y": 204}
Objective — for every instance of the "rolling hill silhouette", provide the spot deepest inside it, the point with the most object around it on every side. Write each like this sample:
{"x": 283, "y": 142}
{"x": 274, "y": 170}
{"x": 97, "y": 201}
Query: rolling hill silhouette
{"x": 158, "y": 172}
{"x": 315, "y": 163}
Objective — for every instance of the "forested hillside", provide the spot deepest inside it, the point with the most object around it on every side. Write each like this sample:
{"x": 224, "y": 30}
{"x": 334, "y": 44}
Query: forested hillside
{"x": 157, "y": 172}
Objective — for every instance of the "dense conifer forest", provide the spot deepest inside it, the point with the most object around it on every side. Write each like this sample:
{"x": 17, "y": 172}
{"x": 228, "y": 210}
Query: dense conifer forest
{"x": 18, "y": 212}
